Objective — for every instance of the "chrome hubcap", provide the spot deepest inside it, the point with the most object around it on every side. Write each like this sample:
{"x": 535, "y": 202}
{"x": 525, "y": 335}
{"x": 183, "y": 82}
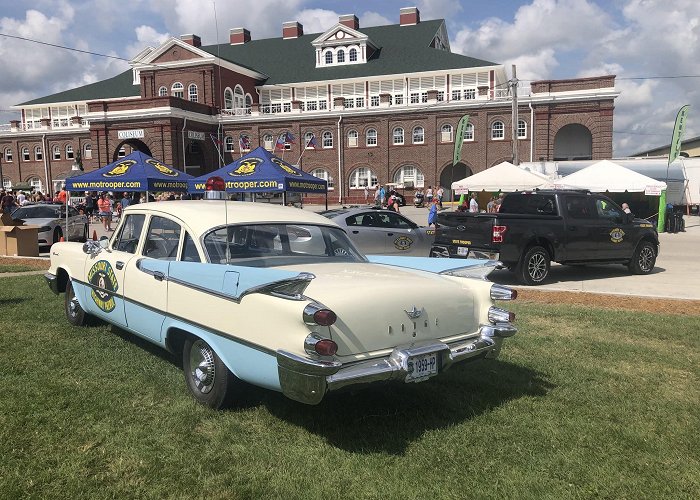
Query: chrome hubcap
{"x": 73, "y": 306}
{"x": 646, "y": 257}
{"x": 203, "y": 370}
{"x": 537, "y": 267}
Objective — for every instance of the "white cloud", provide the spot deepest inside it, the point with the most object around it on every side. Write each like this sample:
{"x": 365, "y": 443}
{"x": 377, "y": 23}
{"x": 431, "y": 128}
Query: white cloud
{"x": 317, "y": 20}
{"x": 146, "y": 36}
{"x": 373, "y": 19}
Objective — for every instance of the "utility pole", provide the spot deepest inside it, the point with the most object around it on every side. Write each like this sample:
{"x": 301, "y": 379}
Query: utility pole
{"x": 514, "y": 118}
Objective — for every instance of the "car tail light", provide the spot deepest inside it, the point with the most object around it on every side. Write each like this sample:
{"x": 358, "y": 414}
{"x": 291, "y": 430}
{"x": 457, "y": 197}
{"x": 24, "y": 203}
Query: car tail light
{"x": 316, "y": 314}
{"x": 500, "y": 292}
{"x": 315, "y": 344}
{"x": 498, "y": 231}
{"x": 215, "y": 183}
{"x": 498, "y": 315}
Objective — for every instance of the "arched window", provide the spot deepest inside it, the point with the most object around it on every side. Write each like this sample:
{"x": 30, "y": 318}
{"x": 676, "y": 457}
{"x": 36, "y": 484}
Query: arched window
{"x": 341, "y": 56}
{"x": 87, "y": 151}
{"x": 177, "y": 90}
{"x": 192, "y": 94}
{"x": 522, "y": 129}
{"x": 361, "y": 177}
{"x": 248, "y": 103}
{"x": 309, "y": 142}
{"x": 322, "y": 173}
{"x": 268, "y": 143}
{"x": 446, "y": 133}
{"x": 398, "y": 135}
{"x": 163, "y": 91}
{"x": 25, "y": 154}
{"x": 352, "y": 138}
{"x": 353, "y": 55}
{"x": 228, "y": 144}
{"x": 38, "y": 153}
{"x": 418, "y": 135}
{"x": 410, "y": 173}
{"x": 228, "y": 98}
{"x": 8, "y": 155}
{"x": 69, "y": 152}
{"x": 238, "y": 98}
{"x": 371, "y": 137}
{"x": 329, "y": 57}
{"x": 328, "y": 139}
{"x": 469, "y": 132}
{"x": 35, "y": 183}
{"x": 56, "y": 153}
{"x": 497, "y": 130}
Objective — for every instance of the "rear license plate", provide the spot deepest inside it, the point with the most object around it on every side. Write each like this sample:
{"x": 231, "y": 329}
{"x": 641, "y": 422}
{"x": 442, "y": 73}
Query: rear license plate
{"x": 422, "y": 367}
{"x": 462, "y": 251}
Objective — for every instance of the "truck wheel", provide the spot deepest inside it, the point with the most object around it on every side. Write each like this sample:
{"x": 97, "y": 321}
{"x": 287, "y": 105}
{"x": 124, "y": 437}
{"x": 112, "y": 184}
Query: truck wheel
{"x": 74, "y": 313}
{"x": 533, "y": 268}
{"x": 643, "y": 258}
{"x": 208, "y": 379}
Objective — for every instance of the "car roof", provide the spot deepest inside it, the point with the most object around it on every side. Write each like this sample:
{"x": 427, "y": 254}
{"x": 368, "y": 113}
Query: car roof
{"x": 201, "y": 215}
{"x": 349, "y": 211}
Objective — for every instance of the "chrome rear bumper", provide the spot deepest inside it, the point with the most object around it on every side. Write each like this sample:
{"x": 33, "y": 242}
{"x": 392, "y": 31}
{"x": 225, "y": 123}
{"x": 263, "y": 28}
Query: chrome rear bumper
{"x": 308, "y": 380}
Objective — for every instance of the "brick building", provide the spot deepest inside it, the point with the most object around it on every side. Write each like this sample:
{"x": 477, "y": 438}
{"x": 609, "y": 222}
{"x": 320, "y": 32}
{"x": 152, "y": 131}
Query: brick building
{"x": 382, "y": 105}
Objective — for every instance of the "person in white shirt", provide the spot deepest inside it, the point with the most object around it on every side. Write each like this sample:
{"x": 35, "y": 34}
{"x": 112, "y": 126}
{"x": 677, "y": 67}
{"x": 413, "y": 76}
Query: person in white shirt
{"x": 473, "y": 204}
{"x": 21, "y": 198}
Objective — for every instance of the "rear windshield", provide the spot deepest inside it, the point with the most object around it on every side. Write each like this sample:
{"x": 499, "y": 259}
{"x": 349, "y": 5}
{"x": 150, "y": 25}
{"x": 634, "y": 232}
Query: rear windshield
{"x": 529, "y": 203}
{"x": 261, "y": 245}
{"x": 37, "y": 212}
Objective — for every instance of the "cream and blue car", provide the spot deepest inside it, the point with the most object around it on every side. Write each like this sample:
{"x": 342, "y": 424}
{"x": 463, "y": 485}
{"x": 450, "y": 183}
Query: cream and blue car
{"x": 278, "y": 297}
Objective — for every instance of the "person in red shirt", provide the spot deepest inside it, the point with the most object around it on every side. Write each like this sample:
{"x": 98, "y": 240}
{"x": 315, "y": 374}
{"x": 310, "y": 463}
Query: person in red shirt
{"x": 62, "y": 195}
{"x": 104, "y": 208}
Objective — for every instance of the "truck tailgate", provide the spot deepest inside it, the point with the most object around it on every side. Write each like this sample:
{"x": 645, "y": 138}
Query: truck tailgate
{"x": 465, "y": 230}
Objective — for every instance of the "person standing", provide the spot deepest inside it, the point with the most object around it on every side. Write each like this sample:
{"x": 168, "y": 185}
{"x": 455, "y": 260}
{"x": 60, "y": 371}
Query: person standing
{"x": 377, "y": 195}
{"x": 382, "y": 196}
{"x": 126, "y": 201}
{"x": 440, "y": 193}
{"x": 366, "y": 194}
{"x": 8, "y": 203}
{"x": 473, "y": 204}
{"x": 62, "y": 195}
{"x": 491, "y": 205}
{"x": 104, "y": 207}
{"x": 432, "y": 214}
{"x": 429, "y": 195}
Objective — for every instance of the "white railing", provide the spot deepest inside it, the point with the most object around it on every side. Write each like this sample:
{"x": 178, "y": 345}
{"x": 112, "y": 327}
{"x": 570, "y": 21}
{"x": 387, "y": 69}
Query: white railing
{"x": 236, "y": 112}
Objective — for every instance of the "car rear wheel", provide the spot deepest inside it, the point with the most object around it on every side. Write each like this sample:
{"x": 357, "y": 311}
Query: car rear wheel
{"x": 74, "y": 313}
{"x": 533, "y": 268}
{"x": 57, "y": 233}
{"x": 643, "y": 258}
{"x": 208, "y": 379}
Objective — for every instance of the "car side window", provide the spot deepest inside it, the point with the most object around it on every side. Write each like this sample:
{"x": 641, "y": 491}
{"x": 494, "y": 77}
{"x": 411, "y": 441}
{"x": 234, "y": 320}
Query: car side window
{"x": 189, "y": 250}
{"x": 127, "y": 240}
{"x": 163, "y": 239}
{"x": 366, "y": 219}
{"x": 396, "y": 221}
{"x": 579, "y": 207}
{"x": 606, "y": 210}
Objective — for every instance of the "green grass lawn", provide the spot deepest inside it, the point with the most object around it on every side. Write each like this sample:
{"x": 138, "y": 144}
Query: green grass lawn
{"x": 583, "y": 403}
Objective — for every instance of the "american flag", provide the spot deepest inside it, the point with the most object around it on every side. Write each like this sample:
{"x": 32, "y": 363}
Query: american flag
{"x": 312, "y": 142}
{"x": 244, "y": 142}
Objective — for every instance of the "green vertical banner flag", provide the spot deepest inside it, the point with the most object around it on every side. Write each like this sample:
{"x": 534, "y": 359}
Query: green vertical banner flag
{"x": 674, "y": 152}
{"x": 459, "y": 138}
{"x": 678, "y": 130}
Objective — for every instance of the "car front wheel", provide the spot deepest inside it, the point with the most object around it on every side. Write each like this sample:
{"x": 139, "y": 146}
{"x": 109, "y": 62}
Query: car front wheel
{"x": 208, "y": 379}
{"x": 74, "y": 313}
{"x": 533, "y": 268}
{"x": 643, "y": 258}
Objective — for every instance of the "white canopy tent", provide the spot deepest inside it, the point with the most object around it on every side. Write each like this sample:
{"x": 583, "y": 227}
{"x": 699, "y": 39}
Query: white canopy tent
{"x": 606, "y": 175}
{"x": 502, "y": 177}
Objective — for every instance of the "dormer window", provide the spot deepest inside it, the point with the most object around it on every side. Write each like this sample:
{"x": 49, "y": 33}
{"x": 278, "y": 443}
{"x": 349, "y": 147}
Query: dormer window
{"x": 342, "y": 45}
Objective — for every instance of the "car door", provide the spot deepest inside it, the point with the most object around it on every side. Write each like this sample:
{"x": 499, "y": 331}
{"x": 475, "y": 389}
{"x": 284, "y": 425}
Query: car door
{"x": 403, "y": 236}
{"x": 612, "y": 234}
{"x": 106, "y": 272}
{"x": 367, "y": 232}
{"x": 76, "y": 224}
{"x": 145, "y": 285}
{"x": 581, "y": 224}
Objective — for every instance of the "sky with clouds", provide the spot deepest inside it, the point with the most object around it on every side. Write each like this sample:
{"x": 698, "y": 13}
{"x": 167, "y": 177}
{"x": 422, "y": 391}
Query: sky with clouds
{"x": 651, "y": 45}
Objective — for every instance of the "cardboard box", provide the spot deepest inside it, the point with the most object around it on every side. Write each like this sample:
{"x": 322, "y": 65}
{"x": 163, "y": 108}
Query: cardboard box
{"x": 16, "y": 239}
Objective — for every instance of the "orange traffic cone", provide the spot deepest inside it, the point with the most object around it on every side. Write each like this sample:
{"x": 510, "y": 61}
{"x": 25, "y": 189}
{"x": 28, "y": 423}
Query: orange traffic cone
{"x": 94, "y": 235}
{"x": 61, "y": 239}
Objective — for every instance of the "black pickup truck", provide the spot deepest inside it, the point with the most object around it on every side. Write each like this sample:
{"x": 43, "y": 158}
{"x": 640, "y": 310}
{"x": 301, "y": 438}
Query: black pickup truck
{"x": 533, "y": 228}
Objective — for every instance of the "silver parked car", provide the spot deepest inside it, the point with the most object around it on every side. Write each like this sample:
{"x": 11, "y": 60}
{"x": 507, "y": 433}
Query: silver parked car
{"x": 377, "y": 231}
{"x": 51, "y": 219}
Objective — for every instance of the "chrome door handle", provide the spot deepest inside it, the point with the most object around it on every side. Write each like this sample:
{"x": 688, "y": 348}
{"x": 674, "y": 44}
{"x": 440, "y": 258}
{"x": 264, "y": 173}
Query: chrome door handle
{"x": 390, "y": 234}
{"x": 120, "y": 264}
{"x": 159, "y": 276}
{"x": 355, "y": 232}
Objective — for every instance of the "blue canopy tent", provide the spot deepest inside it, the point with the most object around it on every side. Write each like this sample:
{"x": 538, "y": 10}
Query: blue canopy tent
{"x": 135, "y": 172}
{"x": 262, "y": 172}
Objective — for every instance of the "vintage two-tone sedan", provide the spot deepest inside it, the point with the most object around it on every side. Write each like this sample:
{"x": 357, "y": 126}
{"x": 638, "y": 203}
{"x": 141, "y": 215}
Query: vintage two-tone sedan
{"x": 278, "y": 297}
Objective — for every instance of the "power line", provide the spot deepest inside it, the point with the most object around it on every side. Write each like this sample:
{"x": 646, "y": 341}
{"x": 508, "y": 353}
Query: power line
{"x": 63, "y": 47}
